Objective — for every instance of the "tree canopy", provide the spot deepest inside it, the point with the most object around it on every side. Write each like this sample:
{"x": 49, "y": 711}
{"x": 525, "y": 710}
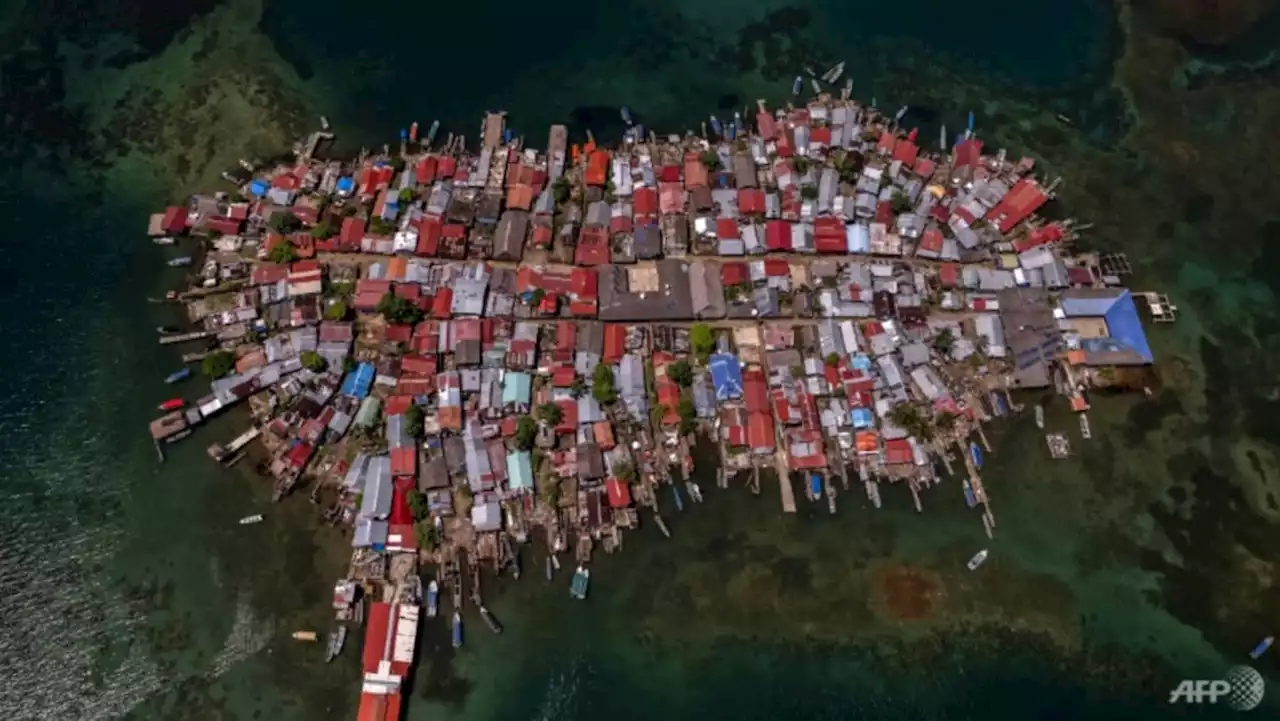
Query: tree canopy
{"x": 710, "y": 160}
{"x": 312, "y": 360}
{"x": 911, "y": 419}
{"x": 681, "y": 372}
{"x": 283, "y": 253}
{"x": 526, "y": 432}
{"x": 702, "y": 339}
{"x": 399, "y": 310}
{"x": 688, "y": 415}
{"x": 550, "y": 413}
{"x": 899, "y": 202}
{"x": 602, "y": 385}
{"x": 625, "y": 472}
{"x": 324, "y": 229}
{"x": 218, "y": 364}
{"x": 284, "y": 223}
{"x": 337, "y": 310}
{"x": 944, "y": 341}
{"x": 413, "y": 418}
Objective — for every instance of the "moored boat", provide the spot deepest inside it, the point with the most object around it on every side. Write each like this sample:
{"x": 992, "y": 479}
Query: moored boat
{"x": 581, "y": 580}
{"x": 1261, "y": 648}
{"x": 675, "y": 491}
{"x": 548, "y": 568}
{"x": 180, "y": 261}
{"x": 695, "y": 492}
{"x": 250, "y": 520}
{"x": 433, "y": 598}
{"x": 1085, "y": 432}
{"x": 970, "y": 499}
{"x": 797, "y": 86}
{"x": 1040, "y": 417}
{"x": 489, "y": 620}
{"x": 178, "y": 375}
{"x": 976, "y": 454}
{"x": 167, "y": 330}
{"x": 626, "y": 115}
{"x": 413, "y": 132}
{"x": 162, "y": 241}
{"x": 309, "y": 636}
{"x": 172, "y": 404}
{"x": 337, "y": 639}
{"x": 457, "y": 630}
{"x": 716, "y": 126}
{"x": 978, "y": 559}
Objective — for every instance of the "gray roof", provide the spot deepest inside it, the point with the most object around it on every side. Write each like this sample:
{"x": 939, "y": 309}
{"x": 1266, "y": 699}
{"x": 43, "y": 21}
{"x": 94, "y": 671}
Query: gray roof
{"x": 671, "y": 302}
{"x": 508, "y": 241}
{"x": 376, "y": 502}
{"x": 1031, "y": 334}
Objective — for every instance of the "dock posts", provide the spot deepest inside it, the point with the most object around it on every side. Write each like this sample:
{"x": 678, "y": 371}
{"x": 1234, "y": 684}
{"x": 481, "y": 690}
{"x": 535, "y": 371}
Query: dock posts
{"x": 915, "y": 495}
{"x": 946, "y": 460}
{"x": 159, "y": 450}
{"x": 662, "y": 525}
{"x": 982, "y": 436}
{"x": 754, "y": 483}
{"x": 986, "y": 526}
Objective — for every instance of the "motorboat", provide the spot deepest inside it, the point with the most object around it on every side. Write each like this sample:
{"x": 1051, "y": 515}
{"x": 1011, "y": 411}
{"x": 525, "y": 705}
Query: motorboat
{"x": 180, "y": 261}
{"x": 250, "y": 520}
{"x": 978, "y": 559}
{"x": 581, "y": 580}
{"x": 433, "y": 598}
{"x": 337, "y": 639}
{"x": 172, "y": 404}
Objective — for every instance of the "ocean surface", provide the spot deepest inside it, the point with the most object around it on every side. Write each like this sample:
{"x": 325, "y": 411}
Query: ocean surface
{"x": 1152, "y": 555}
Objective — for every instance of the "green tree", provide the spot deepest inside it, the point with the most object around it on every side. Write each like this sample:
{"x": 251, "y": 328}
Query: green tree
{"x": 945, "y": 421}
{"x": 809, "y": 192}
{"x": 399, "y": 310}
{"x": 312, "y": 361}
{"x": 899, "y": 202}
{"x": 688, "y": 415}
{"x": 413, "y": 418}
{"x": 833, "y": 359}
{"x": 218, "y": 364}
{"x": 349, "y": 364}
{"x": 801, "y": 164}
{"x": 535, "y": 298}
{"x": 283, "y": 253}
{"x": 526, "y": 432}
{"x": 561, "y": 190}
{"x": 944, "y": 341}
{"x": 550, "y": 414}
{"x": 625, "y": 472}
{"x": 911, "y": 419}
{"x": 379, "y": 226}
{"x": 549, "y": 490}
{"x": 681, "y": 372}
{"x": 602, "y": 385}
{"x": 406, "y": 196}
{"x": 797, "y": 372}
{"x": 710, "y": 160}
{"x": 702, "y": 340}
{"x": 284, "y": 223}
{"x": 324, "y": 229}
{"x": 337, "y": 310}
{"x": 417, "y": 504}
{"x": 656, "y": 414}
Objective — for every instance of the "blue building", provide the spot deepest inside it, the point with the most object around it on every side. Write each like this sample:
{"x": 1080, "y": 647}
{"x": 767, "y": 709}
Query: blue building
{"x": 1119, "y": 339}
{"x": 726, "y": 376}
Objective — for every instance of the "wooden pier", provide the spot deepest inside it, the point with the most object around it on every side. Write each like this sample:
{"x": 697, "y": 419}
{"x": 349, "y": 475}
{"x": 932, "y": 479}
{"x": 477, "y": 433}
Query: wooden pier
{"x": 186, "y": 337}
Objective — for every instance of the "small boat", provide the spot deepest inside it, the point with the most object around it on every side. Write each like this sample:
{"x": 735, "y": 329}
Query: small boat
{"x": 163, "y": 241}
{"x": 309, "y": 636}
{"x": 694, "y": 492}
{"x": 971, "y": 122}
{"x": 978, "y": 559}
{"x": 337, "y": 639}
{"x": 413, "y": 132}
{"x": 324, "y": 123}
{"x": 797, "y": 86}
{"x": 834, "y": 74}
{"x": 555, "y": 561}
{"x": 976, "y": 454}
{"x": 902, "y": 111}
{"x": 489, "y": 620}
{"x": 404, "y": 134}
{"x": 626, "y": 115}
{"x": 548, "y": 569}
{"x": 1040, "y": 417}
{"x": 873, "y": 493}
{"x": 1063, "y": 119}
{"x": 179, "y": 375}
{"x": 167, "y": 330}
{"x": 250, "y": 520}
{"x": 581, "y": 579}
{"x": 433, "y": 598}
{"x": 716, "y": 126}
{"x": 457, "y": 630}
{"x": 969, "y": 498}
{"x": 431, "y": 134}
{"x": 172, "y": 404}
{"x": 1262, "y": 647}
{"x": 1085, "y": 432}
{"x": 815, "y": 486}
{"x": 675, "y": 491}
{"x": 180, "y": 261}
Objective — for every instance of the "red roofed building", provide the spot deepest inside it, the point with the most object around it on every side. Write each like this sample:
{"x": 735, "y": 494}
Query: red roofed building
{"x": 615, "y": 342}
{"x": 566, "y": 335}
{"x": 829, "y": 235}
{"x": 777, "y": 236}
{"x": 597, "y": 168}
{"x": 884, "y": 212}
{"x": 695, "y": 173}
{"x": 223, "y": 224}
{"x": 619, "y": 493}
{"x": 1023, "y": 199}
{"x": 568, "y": 417}
{"x": 776, "y": 268}
{"x": 931, "y": 241}
{"x": 442, "y": 304}
{"x": 379, "y": 706}
{"x": 426, "y": 170}
{"x": 352, "y": 232}
{"x": 905, "y": 152}
{"x": 760, "y": 432}
{"x": 174, "y": 220}
{"x": 785, "y": 146}
{"x": 727, "y": 229}
{"x": 733, "y": 273}
{"x": 1051, "y": 233}
{"x": 429, "y": 232}
{"x": 265, "y": 273}
{"x": 925, "y": 168}
{"x": 299, "y": 455}
{"x": 968, "y": 153}
{"x": 447, "y": 166}
{"x": 898, "y": 451}
{"x": 820, "y": 136}
{"x": 542, "y": 236}
{"x": 593, "y": 247}
{"x": 669, "y": 398}
{"x": 671, "y": 198}
{"x": 750, "y": 201}
{"x": 886, "y": 142}
{"x": 644, "y": 204}
{"x": 949, "y": 275}
{"x": 404, "y": 461}
{"x": 398, "y": 333}
{"x": 755, "y": 391}
{"x": 416, "y": 365}
{"x": 767, "y": 126}
{"x": 619, "y": 224}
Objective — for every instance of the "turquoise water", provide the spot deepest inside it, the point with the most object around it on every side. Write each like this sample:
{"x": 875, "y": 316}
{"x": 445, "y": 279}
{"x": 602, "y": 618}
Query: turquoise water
{"x": 130, "y": 591}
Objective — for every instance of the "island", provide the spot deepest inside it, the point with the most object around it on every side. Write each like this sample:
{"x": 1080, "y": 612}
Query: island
{"x": 476, "y": 354}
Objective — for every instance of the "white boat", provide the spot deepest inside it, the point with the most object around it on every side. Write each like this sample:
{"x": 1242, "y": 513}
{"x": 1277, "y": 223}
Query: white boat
{"x": 978, "y": 559}
{"x": 433, "y": 598}
{"x": 248, "y": 520}
{"x": 578, "y": 587}
{"x": 1085, "y": 432}
{"x": 694, "y": 492}
{"x": 162, "y": 241}
{"x": 1040, "y": 417}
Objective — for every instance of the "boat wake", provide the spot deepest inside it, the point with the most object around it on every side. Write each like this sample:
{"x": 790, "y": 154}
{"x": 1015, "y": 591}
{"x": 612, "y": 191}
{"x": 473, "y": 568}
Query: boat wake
{"x": 560, "y": 700}
{"x": 249, "y": 635}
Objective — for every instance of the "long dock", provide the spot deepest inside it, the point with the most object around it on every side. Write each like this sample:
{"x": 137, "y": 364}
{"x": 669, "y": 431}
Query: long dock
{"x": 186, "y": 337}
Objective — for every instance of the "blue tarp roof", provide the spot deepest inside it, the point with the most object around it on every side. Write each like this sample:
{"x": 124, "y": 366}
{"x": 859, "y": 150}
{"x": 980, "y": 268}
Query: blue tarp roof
{"x": 861, "y": 363}
{"x": 862, "y": 418}
{"x": 345, "y": 184}
{"x": 1124, "y": 326}
{"x": 726, "y": 376}
{"x": 358, "y": 381}
{"x": 259, "y": 187}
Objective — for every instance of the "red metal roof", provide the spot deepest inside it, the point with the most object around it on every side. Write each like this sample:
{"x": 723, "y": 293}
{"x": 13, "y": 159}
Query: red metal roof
{"x": 949, "y": 274}
{"x": 931, "y": 240}
{"x": 377, "y": 626}
{"x": 733, "y": 273}
{"x": 821, "y": 135}
{"x": 300, "y": 454}
{"x": 760, "y": 431}
{"x": 352, "y": 231}
{"x": 644, "y": 202}
{"x": 597, "y": 168}
{"x": 755, "y": 391}
{"x": 765, "y": 123}
{"x": 223, "y": 224}
{"x": 619, "y": 493}
{"x": 615, "y": 342}
{"x": 777, "y": 235}
{"x": 442, "y": 304}
{"x": 906, "y": 152}
{"x": 727, "y": 228}
{"x": 593, "y": 247}
{"x": 898, "y": 451}
{"x": 174, "y": 220}
{"x": 695, "y": 173}
{"x": 404, "y": 461}
{"x": 426, "y": 170}
{"x": 750, "y": 201}
{"x": 968, "y": 152}
{"x": 1023, "y": 199}
{"x": 776, "y": 267}
{"x": 568, "y": 416}
{"x": 399, "y": 333}
{"x": 429, "y": 232}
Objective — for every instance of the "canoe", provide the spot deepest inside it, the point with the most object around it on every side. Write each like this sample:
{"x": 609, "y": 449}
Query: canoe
{"x": 178, "y": 375}
{"x": 172, "y": 404}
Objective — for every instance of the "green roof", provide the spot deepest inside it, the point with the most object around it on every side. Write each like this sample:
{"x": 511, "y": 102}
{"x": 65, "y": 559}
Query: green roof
{"x": 368, "y": 413}
{"x": 516, "y": 388}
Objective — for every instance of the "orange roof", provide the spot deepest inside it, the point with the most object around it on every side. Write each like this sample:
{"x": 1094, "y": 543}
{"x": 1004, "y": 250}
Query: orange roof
{"x": 520, "y": 197}
{"x": 1075, "y": 357}
{"x": 867, "y": 441}
{"x": 597, "y": 167}
{"x": 396, "y": 267}
{"x": 1078, "y": 403}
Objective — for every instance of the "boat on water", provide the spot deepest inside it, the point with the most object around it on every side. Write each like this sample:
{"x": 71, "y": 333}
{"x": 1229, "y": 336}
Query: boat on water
{"x": 178, "y": 375}
{"x": 309, "y": 636}
{"x": 549, "y": 569}
{"x": 180, "y": 261}
{"x": 873, "y": 493}
{"x": 1085, "y": 431}
{"x": 413, "y": 132}
{"x": 1040, "y": 417}
{"x": 976, "y": 454}
{"x": 555, "y": 562}
{"x": 970, "y": 498}
{"x": 457, "y": 630}
{"x": 172, "y": 404}
{"x": 797, "y": 86}
{"x": 716, "y": 126}
{"x": 433, "y": 598}
{"x": 489, "y": 620}
{"x": 694, "y": 492}
{"x": 1262, "y": 647}
{"x": 978, "y": 559}
{"x": 626, "y": 115}
{"x": 581, "y": 580}
{"x": 337, "y": 639}
{"x": 675, "y": 491}
{"x": 902, "y": 111}
{"x": 167, "y": 330}
{"x": 431, "y": 134}
{"x": 162, "y": 241}
{"x": 815, "y": 486}
{"x": 250, "y": 520}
